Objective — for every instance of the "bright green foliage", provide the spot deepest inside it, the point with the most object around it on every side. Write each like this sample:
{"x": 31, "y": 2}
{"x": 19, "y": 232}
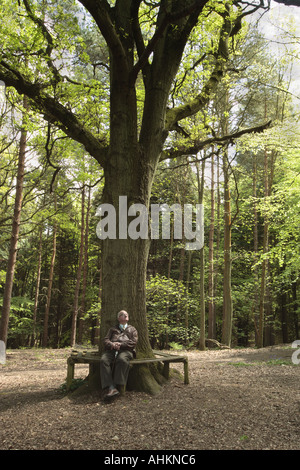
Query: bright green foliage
{"x": 167, "y": 300}
{"x": 21, "y": 323}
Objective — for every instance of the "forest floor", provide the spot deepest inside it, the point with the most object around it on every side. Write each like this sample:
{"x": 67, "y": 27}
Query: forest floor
{"x": 236, "y": 399}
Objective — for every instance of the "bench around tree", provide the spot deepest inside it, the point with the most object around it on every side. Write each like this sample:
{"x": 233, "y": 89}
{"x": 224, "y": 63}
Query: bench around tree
{"x": 93, "y": 359}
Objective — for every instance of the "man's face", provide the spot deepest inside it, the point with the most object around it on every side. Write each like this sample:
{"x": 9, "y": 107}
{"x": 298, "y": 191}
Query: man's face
{"x": 123, "y": 318}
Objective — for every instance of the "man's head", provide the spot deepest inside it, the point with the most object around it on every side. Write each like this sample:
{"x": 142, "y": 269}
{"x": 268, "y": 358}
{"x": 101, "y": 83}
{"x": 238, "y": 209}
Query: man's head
{"x": 123, "y": 317}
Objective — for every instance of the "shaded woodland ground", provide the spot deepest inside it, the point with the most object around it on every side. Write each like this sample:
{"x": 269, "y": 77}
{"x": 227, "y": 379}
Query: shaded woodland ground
{"x": 237, "y": 399}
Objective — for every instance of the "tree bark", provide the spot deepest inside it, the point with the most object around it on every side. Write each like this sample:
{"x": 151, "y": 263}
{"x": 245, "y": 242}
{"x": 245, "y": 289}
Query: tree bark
{"x": 129, "y": 173}
{"x": 15, "y": 230}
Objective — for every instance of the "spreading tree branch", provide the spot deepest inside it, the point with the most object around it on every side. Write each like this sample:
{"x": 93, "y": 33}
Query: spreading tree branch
{"x": 54, "y": 112}
{"x": 199, "y": 145}
{"x": 295, "y": 3}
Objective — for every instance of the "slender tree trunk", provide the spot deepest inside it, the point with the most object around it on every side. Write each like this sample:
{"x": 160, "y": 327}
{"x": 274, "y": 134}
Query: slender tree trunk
{"x": 227, "y": 300}
{"x": 263, "y": 281}
{"x": 181, "y": 195}
{"x": 211, "y": 288}
{"x": 255, "y": 306}
{"x": 188, "y": 293}
{"x": 37, "y": 288}
{"x": 15, "y": 231}
{"x": 268, "y": 332}
{"x": 79, "y": 271}
{"x": 169, "y": 276}
{"x": 96, "y": 325}
{"x": 85, "y": 269}
{"x": 201, "y": 263}
{"x": 295, "y": 308}
{"x": 284, "y": 316}
{"x": 180, "y": 300}
{"x": 50, "y": 282}
{"x": 218, "y": 234}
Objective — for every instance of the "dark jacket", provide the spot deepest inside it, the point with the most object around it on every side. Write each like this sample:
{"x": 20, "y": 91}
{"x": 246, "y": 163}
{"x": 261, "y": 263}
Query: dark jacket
{"x": 128, "y": 338}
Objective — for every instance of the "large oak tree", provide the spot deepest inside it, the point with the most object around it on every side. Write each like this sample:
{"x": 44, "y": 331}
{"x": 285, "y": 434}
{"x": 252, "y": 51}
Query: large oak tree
{"x": 145, "y": 42}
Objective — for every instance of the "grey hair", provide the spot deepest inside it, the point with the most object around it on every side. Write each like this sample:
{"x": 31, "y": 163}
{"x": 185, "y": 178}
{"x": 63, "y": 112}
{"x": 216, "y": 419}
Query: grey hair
{"x": 122, "y": 312}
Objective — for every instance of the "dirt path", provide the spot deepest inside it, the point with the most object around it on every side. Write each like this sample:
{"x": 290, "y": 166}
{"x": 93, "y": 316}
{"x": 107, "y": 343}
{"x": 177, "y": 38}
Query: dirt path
{"x": 236, "y": 399}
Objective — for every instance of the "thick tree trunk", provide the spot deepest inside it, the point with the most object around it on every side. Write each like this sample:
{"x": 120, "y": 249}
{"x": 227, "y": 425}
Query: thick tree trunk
{"x": 124, "y": 260}
{"x": 124, "y": 265}
{"x": 129, "y": 172}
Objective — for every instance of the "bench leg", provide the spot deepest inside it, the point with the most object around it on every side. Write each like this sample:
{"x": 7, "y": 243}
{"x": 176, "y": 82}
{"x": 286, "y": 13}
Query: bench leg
{"x": 70, "y": 373}
{"x": 122, "y": 389}
{"x": 166, "y": 370}
{"x": 186, "y": 372}
{"x": 91, "y": 371}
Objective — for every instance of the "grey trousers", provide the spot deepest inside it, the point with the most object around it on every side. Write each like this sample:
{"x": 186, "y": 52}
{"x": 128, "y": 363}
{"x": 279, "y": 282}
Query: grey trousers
{"x": 114, "y": 370}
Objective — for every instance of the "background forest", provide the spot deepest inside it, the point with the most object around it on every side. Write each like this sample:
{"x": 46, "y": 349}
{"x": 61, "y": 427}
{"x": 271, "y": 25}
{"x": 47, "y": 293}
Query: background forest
{"x": 249, "y": 188}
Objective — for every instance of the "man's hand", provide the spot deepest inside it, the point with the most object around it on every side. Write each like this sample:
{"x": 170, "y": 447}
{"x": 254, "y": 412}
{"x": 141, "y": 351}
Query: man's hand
{"x": 116, "y": 346}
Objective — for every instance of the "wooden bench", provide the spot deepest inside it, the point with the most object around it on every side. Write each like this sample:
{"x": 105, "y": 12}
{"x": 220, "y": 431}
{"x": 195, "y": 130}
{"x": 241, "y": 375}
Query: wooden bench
{"x": 93, "y": 358}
